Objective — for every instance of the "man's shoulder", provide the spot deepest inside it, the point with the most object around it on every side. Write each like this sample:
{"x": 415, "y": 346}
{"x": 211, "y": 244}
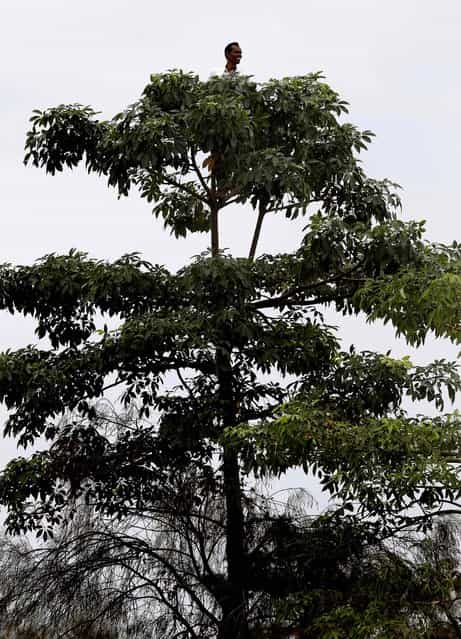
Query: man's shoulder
{"x": 223, "y": 73}
{"x": 216, "y": 73}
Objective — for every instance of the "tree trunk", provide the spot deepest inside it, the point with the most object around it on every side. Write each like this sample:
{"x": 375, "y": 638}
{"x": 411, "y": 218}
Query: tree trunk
{"x": 234, "y": 623}
{"x": 214, "y": 232}
{"x": 234, "y": 604}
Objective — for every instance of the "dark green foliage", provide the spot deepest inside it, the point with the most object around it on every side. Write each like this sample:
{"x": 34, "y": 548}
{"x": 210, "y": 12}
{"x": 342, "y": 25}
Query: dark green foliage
{"x": 228, "y": 364}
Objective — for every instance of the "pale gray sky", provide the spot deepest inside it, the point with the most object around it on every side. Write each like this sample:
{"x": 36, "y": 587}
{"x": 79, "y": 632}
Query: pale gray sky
{"x": 396, "y": 62}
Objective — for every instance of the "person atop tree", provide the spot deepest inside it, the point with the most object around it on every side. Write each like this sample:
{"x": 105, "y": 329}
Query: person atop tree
{"x": 233, "y": 54}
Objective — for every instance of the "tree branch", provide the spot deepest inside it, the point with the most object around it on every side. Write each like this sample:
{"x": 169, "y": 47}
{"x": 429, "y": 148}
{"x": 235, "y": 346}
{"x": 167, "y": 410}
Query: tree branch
{"x": 254, "y": 243}
{"x": 286, "y": 298}
{"x": 276, "y": 209}
{"x": 186, "y": 189}
{"x": 200, "y": 176}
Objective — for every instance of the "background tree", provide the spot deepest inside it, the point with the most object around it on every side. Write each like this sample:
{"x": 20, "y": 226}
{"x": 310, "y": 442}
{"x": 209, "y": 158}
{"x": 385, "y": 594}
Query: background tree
{"x": 66, "y": 588}
{"x": 323, "y": 577}
{"x": 195, "y": 349}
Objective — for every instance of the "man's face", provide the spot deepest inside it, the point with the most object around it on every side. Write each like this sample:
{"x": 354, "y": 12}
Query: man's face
{"x": 235, "y": 54}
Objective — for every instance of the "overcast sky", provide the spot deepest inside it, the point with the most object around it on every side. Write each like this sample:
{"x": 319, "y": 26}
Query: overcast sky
{"x": 396, "y": 62}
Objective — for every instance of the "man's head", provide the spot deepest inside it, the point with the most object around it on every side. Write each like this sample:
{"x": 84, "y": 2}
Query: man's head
{"x": 233, "y": 53}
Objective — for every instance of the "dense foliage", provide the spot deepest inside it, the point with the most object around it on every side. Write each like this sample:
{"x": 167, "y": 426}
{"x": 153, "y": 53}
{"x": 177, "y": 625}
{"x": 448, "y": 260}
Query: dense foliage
{"x": 228, "y": 366}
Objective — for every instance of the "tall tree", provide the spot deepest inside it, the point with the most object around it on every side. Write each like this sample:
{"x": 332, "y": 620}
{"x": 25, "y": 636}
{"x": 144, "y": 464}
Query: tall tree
{"x": 222, "y": 325}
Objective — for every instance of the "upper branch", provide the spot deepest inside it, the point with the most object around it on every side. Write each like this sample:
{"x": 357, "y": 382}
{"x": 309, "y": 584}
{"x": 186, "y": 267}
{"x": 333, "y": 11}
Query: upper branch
{"x": 200, "y": 176}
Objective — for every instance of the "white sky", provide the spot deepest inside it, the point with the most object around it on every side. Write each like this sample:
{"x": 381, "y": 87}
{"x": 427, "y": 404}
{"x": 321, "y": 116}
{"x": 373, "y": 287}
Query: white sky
{"x": 396, "y": 62}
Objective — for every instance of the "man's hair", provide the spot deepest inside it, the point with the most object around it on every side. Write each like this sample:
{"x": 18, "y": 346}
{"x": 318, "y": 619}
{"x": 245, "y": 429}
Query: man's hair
{"x": 229, "y": 47}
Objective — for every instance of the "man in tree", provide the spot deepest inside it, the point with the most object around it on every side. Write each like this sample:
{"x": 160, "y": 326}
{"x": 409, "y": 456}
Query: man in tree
{"x": 233, "y": 54}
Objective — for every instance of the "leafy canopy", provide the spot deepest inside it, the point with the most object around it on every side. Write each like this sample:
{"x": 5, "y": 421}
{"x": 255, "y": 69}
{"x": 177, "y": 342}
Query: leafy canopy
{"x": 228, "y": 363}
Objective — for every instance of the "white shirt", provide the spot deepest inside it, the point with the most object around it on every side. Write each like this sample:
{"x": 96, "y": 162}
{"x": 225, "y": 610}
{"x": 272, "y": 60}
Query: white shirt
{"x": 224, "y": 74}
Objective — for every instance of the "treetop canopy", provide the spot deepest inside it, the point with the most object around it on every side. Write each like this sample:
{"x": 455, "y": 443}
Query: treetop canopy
{"x": 190, "y": 145}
